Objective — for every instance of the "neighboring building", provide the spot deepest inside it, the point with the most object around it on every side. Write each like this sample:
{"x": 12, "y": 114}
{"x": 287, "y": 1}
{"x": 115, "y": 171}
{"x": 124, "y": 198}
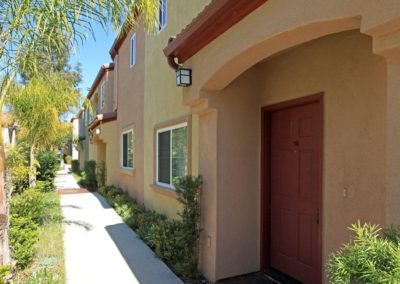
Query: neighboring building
{"x": 292, "y": 120}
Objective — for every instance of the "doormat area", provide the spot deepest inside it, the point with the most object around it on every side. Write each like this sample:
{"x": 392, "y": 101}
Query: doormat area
{"x": 72, "y": 190}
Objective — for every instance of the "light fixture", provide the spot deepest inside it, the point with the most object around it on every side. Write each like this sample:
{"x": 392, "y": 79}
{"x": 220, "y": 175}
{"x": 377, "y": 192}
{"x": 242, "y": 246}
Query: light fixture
{"x": 183, "y": 77}
{"x": 98, "y": 131}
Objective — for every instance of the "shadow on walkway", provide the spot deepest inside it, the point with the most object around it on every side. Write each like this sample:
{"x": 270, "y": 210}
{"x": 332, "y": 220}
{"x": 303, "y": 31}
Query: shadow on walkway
{"x": 139, "y": 257}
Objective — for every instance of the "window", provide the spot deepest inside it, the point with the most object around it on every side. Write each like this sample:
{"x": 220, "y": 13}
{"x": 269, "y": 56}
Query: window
{"x": 172, "y": 153}
{"x": 133, "y": 50}
{"x": 102, "y": 95}
{"x": 162, "y": 14}
{"x": 127, "y": 152}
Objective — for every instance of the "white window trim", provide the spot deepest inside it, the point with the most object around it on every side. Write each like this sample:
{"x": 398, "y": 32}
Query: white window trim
{"x": 132, "y": 60}
{"x": 102, "y": 95}
{"x": 166, "y": 16}
{"x": 164, "y": 129}
{"x": 122, "y": 150}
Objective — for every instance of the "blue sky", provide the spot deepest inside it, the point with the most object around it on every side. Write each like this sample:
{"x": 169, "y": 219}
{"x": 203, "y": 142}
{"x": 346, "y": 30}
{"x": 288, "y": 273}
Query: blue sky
{"x": 92, "y": 54}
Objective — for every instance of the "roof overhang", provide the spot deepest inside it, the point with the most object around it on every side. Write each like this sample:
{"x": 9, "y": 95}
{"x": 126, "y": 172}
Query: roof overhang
{"x": 103, "y": 69}
{"x": 214, "y": 20}
{"x": 102, "y": 118}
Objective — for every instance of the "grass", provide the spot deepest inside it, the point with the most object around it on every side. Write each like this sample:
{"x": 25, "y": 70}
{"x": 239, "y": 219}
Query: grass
{"x": 49, "y": 254}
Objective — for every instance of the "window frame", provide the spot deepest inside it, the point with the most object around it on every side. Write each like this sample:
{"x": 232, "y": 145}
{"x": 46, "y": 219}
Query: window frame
{"x": 131, "y": 130}
{"x": 163, "y": 9}
{"x": 165, "y": 129}
{"x": 102, "y": 95}
{"x": 132, "y": 50}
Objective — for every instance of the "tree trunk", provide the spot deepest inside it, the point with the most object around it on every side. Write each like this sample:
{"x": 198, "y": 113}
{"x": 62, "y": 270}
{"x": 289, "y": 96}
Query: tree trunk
{"x": 4, "y": 203}
{"x": 32, "y": 173}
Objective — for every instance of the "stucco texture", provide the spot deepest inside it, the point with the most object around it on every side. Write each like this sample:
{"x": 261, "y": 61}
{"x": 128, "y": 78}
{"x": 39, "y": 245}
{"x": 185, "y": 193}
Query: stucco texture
{"x": 353, "y": 80}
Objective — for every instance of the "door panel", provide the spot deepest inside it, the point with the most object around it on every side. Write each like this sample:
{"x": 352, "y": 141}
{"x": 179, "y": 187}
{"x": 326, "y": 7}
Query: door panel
{"x": 295, "y": 137}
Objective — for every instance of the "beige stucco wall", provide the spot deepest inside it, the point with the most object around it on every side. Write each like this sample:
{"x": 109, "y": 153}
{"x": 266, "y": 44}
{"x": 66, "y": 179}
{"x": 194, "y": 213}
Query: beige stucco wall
{"x": 109, "y": 147}
{"x": 129, "y": 83}
{"x": 163, "y": 99}
{"x": 354, "y": 81}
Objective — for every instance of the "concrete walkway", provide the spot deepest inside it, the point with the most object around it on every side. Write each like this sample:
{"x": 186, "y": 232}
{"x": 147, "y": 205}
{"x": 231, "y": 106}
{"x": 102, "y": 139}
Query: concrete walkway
{"x": 100, "y": 247}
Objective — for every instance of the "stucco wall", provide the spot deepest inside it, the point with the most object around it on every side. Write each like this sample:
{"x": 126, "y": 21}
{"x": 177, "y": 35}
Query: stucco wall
{"x": 130, "y": 92}
{"x": 163, "y": 99}
{"x": 353, "y": 80}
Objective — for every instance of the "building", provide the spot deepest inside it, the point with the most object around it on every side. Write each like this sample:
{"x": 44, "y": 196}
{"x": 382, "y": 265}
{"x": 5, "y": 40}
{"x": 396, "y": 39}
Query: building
{"x": 292, "y": 120}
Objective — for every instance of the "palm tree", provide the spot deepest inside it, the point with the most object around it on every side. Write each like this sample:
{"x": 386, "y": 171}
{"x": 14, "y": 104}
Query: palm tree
{"x": 29, "y": 27}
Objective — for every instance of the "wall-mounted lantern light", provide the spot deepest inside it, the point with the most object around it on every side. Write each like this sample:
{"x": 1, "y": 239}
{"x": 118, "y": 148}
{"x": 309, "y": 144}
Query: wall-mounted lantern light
{"x": 98, "y": 131}
{"x": 183, "y": 77}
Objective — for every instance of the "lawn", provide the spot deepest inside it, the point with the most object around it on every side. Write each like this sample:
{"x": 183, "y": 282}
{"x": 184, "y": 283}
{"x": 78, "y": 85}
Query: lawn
{"x": 48, "y": 261}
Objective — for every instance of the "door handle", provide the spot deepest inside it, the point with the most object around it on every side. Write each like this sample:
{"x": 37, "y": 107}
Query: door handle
{"x": 317, "y": 215}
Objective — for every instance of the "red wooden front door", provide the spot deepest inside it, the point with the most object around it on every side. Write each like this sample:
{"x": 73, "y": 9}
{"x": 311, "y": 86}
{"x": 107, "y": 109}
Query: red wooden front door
{"x": 295, "y": 190}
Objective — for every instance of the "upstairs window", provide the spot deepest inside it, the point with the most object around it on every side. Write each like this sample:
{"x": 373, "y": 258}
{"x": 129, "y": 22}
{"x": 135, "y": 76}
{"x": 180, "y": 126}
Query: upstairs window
{"x": 162, "y": 14}
{"x": 127, "y": 153}
{"x": 102, "y": 95}
{"x": 172, "y": 152}
{"x": 133, "y": 50}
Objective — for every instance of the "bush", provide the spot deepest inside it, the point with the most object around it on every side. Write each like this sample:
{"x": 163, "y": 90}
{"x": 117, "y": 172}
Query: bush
{"x": 368, "y": 258}
{"x": 48, "y": 166}
{"x": 20, "y": 178}
{"x": 75, "y": 166}
{"x": 68, "y": 159}
{"x": 5, "y": 271}
{"x": 89, "y": 169}
{"x": 101, "y": 173}
{"x": 174, "y": 241}
{"x": 30, "y": 203}
{"x": 44, "y": 186}
{"x": 24, "y": 234}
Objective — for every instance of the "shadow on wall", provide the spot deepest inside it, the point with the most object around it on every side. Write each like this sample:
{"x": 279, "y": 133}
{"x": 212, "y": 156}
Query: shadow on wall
{"x": 139, "y": 257}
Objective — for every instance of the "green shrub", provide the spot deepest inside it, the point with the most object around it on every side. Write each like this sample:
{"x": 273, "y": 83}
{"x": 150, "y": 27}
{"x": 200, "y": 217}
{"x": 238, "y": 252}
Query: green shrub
{"x": 392, "y": 234}
{"x": 5, "y": 270}
{"x": 75, "y": 166}
{"x": 44, "y": 186}
{"x": 368, "y": 258}
{"x": 174, "y": 241}
{"x": 30, "y": 203}
{"x": 20, "y": 178}
{"x": 101, "y": 173}
{"x": 23, "y": 234}
{"x": 48, "y": 162}
{"x": 89, "y": 169}
{"x": 17, "y": 156}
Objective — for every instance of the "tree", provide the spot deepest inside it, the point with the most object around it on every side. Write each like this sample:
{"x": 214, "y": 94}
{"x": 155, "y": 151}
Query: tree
{"x": 30, "y": 27}
{"x": 38, "y": 106}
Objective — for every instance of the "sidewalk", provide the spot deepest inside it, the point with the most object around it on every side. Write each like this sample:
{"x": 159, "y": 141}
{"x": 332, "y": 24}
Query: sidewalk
{"x": 100, "y": 247}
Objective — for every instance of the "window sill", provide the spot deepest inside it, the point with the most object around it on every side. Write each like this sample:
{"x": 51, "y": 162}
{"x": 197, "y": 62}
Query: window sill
{"x": 127, "y": 171}
{"x": 167, "y": 191}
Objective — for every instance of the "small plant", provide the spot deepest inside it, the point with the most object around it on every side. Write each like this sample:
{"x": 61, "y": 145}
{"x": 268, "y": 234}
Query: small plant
{"x": 48, "y": 162}
{"x": 30, "y": 203}
{"x": 5, "y": 272}
{"x": 24, "y": 235}
{"x": 174, "y": 241}
{"x": 20, "y": 178}
{"x": 101, "y": 174}
{"x": 44, "y": 186}
{"x": 44, "y": 276}
{"x": 75, "y": 166}
{"x": 368, "y": 258}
